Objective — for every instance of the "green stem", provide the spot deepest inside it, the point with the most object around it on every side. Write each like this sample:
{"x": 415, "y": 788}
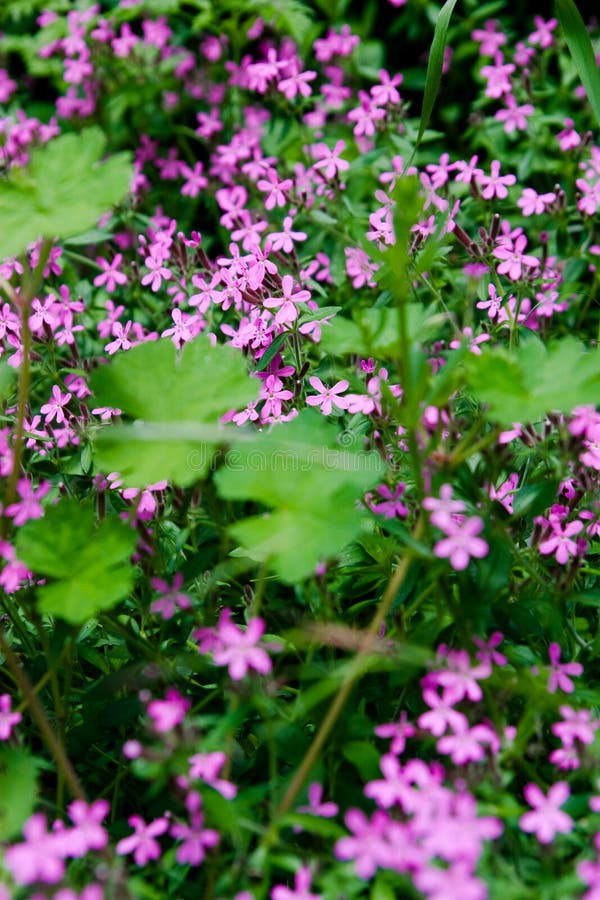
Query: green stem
{"x": 344, "y": 692}
{"x": 30, "y": 284}
{"x": 54, "y": 744}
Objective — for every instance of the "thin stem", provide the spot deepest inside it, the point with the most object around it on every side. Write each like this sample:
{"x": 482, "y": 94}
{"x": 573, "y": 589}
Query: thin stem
{"x": 64, "y": 765}
{"x": 344, "y": 692}
{"x": 30, "y": 284}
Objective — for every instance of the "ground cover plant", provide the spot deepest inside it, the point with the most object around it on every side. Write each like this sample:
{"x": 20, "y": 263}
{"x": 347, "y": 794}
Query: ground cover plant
{"x": 300, "y": 443}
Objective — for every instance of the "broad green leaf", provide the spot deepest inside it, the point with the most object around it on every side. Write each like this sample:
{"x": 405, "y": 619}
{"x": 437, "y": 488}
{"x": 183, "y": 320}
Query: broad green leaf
{"x": 62, "y": 192}
{"x": 375, "y": 332}
{"x": 312, "y": 485}
{"x": 524, "y": 385}
{"x": 580, "y": 48}
{"x": 176, "y": 399}
{"x": 18, "y": 790}
{"x": 435, "y": 65}
{"x": 89, "y": 561}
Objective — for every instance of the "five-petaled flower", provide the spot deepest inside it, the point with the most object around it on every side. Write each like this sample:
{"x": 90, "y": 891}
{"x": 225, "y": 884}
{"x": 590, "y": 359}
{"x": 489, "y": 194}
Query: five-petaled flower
{"x": 546, "y": 819}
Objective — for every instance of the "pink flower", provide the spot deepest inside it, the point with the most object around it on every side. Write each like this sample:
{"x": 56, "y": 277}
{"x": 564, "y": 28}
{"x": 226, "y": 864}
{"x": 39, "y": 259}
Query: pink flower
{"x": 495, "y": 185}
{"x": 29, "y": 506}
{"x": 576, "y": 725}
{"x": 232, "y": 647}
{"x": 398, "y": 732}
{"x": 301, "y": 888}
{"x": 40, "y": 857}
{"x": 54, "y": 408}
{"x": 445, "y": 509}
{"x": 327, "y": 397}
{"x": 157, "y": 273}
{"x": 532, "y": 203}
{"x": 542, "y": 36}
{"x": 391, "y": 505}
{"x": 207, "y": 766}
{"x": 195, "y": 838}
{"x": 88, "y": 833}
{"x": 329, "y": 161}
{"x": 560, "y": 542}
{"x": 8, "y": 719}
{"x": 462, "y": 543}
{"x": 367, "y": 846}
{"x": 168, "y": 713}
{"x": 466, "y": 744}
{"x": 442, "y": 714}
{"x": 315, "y": 807}
{"x": 142, "y": 842}
{"x": 110, "y": 276}
{"x": 559, "y": 672}
{"x": 546, "y": 819}
{"x": 286, "y": 308}
{"x": 171, "y": 597}
{"x": 513, "y": 260}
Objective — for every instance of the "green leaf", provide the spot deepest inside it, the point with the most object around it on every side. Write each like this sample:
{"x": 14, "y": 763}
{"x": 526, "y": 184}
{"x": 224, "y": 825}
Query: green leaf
{"x": 524, "y": 385}
{"x": 8, "y": 378}
{"x": 580, "y": 48}
{"x": 177, "y": 399}
{"x": 89, "y": 561}
{"x": 435, "y": 64}
{"x": 18, "y": 790}
{"x": 311, "y": 484}
{"x": 62, "y": 192}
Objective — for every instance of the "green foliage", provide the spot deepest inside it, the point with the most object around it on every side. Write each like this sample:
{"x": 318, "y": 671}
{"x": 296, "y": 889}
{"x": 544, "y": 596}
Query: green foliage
{"x": 435, "y": 65}
{"x": 311, "y": 484}
{"x": 524, "y": 385}
{"x": 580, "y": 47}
{"x": 63, "y": 191}
{"x": 87, "y": 562}
{"x": 176, "y": 399}
{"x": 18, "y": 789}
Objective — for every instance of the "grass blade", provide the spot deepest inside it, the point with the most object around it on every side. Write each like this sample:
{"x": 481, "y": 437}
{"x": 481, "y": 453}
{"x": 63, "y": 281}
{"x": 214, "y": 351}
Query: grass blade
{"x": 434, "y": 66}
{"x": 580, "y": 48}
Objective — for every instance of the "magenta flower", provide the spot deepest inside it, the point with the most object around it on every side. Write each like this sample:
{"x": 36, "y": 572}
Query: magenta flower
{"x": 171, "y": 597}
{"x": 88, "y": 833}
{"x": 110, "y": 275}
{"x": 315, "y": 807}
{"x": 467, "y": 744}
{"x": 560, "y": 542}
{"x": 168, "y": 713}
{"x": 328, "y": 161}
{"x": 441, "y": 714}
{"x": 547, "y": 819}
{"x": 157, "y": 273}
{"x": 286, "y": 305}
{"x": 513, "y": 259}
{"x": 559, "y": 672}
{"x": 398, "y": 732}
{"x": 195, "y": 838}
{"x": 444, "y": 510}
{"x": 495, "y": 185}
{"x": 462, "y": 543}
{"x": 54, "y": 408}
{"x": 142, "y": 842}
{"x": 40, "y": 857}
{"x": 237, "y": 649}
{"x": 29, "y": 506}
{"x": 327, "y": 397}
{"x": 576, "y": 725}
{"x": 207, "y": 767}
{"x": 301, "y": 888}
{"x": 8, "y": 719}
{"x": 367, "y": 846}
